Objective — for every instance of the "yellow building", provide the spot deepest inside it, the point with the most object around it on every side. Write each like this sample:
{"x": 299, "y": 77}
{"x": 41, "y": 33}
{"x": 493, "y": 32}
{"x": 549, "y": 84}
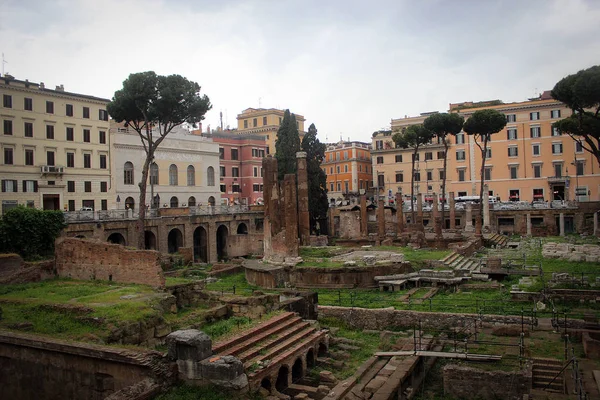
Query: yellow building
{"x": 265, "y": 122}
{"x": 348, "y": 169}
{"x": 55, "y": 148}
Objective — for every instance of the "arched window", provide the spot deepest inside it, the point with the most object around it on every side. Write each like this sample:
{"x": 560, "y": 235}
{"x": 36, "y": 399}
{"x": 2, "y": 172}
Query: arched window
{"x": 154, "y": 174}
{"x": 191, "y": 175}
{"x": 174, "y": 201}
{"x": 173, "y": 175}
{"x": 211, "y": 201}
{"x": 128, "y": 173}
{"x": 129, "y": 203}
{"x": 192, "y": 202}
{"x": 210, "y": 176}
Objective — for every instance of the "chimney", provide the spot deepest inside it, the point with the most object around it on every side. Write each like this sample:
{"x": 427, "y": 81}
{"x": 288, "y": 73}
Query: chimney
{"x": 60, "y": 88}
{"x": 42, "y": 86}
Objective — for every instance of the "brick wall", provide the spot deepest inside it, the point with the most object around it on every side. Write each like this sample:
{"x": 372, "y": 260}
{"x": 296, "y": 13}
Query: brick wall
{"x": 472, "y": 383}
{"x": 91, "y": 259}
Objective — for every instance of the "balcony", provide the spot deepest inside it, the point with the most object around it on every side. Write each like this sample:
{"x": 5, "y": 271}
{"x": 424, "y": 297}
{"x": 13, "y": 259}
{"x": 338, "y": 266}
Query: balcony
{"x": 557, "y": 179}
{"x": 51, "y": 169}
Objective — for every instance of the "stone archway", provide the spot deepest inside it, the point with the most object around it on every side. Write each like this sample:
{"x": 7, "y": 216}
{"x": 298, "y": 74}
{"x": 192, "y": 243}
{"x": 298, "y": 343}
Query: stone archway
{"x": 310, "y": 359}
{"x": 175, "y": 240}
{"x": 322, "y": 352}
{"x": 222, "y": 233}
{"x": 200, "y": 244}
{"x": 149, "y": 240}
{"x": 282, "y": 378}
{"x": 266, "y": 383}
{"x": 116, "y": 238}
{"x": 297, "y": 370}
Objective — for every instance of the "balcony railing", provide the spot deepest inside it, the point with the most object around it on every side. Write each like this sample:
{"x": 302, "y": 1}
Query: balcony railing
{"x": 52, "y": 169}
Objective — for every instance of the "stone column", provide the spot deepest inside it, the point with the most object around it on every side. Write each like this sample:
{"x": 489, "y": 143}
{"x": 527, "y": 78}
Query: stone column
{"x": 561, "y": 225}
{"x": 469, "y": 218}
{"x": 291, "y": 215}
{"x": 437, "y": 219}
{"x": 363, "y": 216}
{"x": 381, "y": 220}
{"x": 211, "y": 245}
{"x": 399, "y": 214}
{"x": 303, "y": 214}
{"x": 452, "y": 210}
{"x": 419, "y": 209}
{"x": 486, "y": 206}
{"x": 528, "y": 224}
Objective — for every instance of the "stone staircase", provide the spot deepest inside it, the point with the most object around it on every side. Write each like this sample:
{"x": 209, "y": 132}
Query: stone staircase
{"x": 544, "y": 370}
{"x": 495, "y": 239}
{"x": 461, "y": 263}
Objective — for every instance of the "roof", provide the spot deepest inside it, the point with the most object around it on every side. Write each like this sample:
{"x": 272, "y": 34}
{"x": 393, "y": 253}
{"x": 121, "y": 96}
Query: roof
{"x": 8, "y": 81}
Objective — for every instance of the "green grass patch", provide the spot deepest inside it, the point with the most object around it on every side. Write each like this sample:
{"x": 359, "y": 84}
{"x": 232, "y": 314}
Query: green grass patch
{"x": 229, "y": 327}
{"x": 178, "y": 280}
{"x": 185, "y": 392}
{"x": 320, "y": 252}
{"x": 226, "y": 284}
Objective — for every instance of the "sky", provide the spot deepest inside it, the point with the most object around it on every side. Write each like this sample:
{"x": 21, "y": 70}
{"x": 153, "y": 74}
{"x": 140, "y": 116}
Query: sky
{"x": 347, "y": 66}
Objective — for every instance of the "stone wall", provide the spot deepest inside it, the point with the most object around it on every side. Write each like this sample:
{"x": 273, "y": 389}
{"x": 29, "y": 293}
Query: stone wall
{"x": 467, "y": 248}
{"x": 350, "y": 225}
{"x": 42, "y": 368}
{"x": 17, "y": 271}
{"x": 91, "y": 259}
{"x": 362, "y": 277}
{"x": 472, "y": 383}
{"x": 591, "y": 345}
{"x": 572, "y": 252}
{"x": 9, "y": 263}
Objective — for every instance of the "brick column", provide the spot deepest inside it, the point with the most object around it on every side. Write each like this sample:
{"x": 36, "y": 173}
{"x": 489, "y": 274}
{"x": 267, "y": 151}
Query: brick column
{"x": 381, "y": 220}
{"x": 561, "y": 225}
{"x": 363, "y": 216}
{"x": 291, "y": 215}
{"x": 528, "y": 224}
{"x": 303, "y": 214}
{"x": 211, "y": 234}
{"x": 452, "y": 210}
{"x": 399, "y": 215}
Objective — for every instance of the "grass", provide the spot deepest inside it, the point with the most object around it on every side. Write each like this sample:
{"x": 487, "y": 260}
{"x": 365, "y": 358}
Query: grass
{"x": 320, "y": 252}
{"x": 185, "y": 392}
{"x": 225, "y": 328}
{"x": 227, "y": 283}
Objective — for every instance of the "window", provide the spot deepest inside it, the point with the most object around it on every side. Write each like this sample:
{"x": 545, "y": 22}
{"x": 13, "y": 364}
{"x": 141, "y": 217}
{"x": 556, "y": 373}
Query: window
{"x": 558, "y": 170}
{"x": 487, "y": 174}
{"x": 128, "y": 173}
{"x": 555, "y": 114}
{"x": 511, "y": 134}
{"x": 49, "y": 131}
{"x": 379, "y": 145}
{"x": 69, "y": 110}
{"x": 86, "y": 112}
{"x": 9, "y": 185}
{"x": 223, "y": 188}
{"x": 264, "y": 121}
{"x": 460, "y": 138}
{"x": 460, "y": 155}
{"x": 417, "y": 176}
{"x": 70, "y": 135}
{"x": 338, "y": 169}
{"x": 555, "y": 131}
{"x": 380, "y": 160}
{"x": 86, "y": 135}
{"x": 30, "y": 186}
{"x": 50, "y": 158}
{"x": 345, "y": 168}
{"x": 153, "y": 174}
{"x": 221, "y": 153}
{"x": 514, "y": 195}
{"x": 346, "y": 187}
{"x": 71, "y": 186}
{"x": 245, "y": 123}
{"x": 339, "y": 186}
{"x": 332, "y": 189}
{"x": 511, "y": 117}
{"x": 535, "y": 132}
{"x": 461, "y": 175}
{"x": 428, "y": 155}
{"x": 578, "y": 147}
{"x": 440, "y": 155}
{"x": 50, "y": 107}
{"x": 87, "y": 186}
{"x": 235, "y": 172}
{"x": 234, "y": 154}
{"x": 399, "y": 177}
{"x": 513, "y": 151}
{"x": 104, "y": 204}
{"x": 380, "y": 181}
{"x": 102, "y": 137}
{"x": 222, "y": 171}
{"x": 534, "y": 116}
{"x": 255, "y": 172}
{"x": 537, "y": 170}
{"x": 429, "y": 175}
{"x": 235, "y": 188}
{"x": 103, "y": 187}
{"x": 102, "y": 161}
{"x": 87, "y": 160}
{"x": 7, "y": 101}
{"x": 70, "y": 160}
{"x": 255, "y": 122}
{"x": 71, "y": 205}
{"x": 514, "y": 172}
{"x": 579, "y": 167}
{"x": 415, "y": 157}
{"x": 536, "y": 149}
{"x": 28, "y": 157}
{"x": 8, "y": 156}
{"x": 488, "y": 153}
{"x": 102, "y": 115}
{"x": 557, "y": 148}
{"x": 8, "y": 127}
{"x": 28, "y": 104}
{"x": 257, "y": 187}
{"x": 191, "y": 175}
{"x": 345, "y": 155}
{"x": 331, "y": 170}
{"x": 28, "y": 129}
{"x": 173, "y": 181}
{"x": 210, "y": 176}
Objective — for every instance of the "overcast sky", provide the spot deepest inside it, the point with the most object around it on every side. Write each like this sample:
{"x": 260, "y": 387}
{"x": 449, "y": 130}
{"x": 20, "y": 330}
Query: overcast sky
{"x": 348, "y": 66}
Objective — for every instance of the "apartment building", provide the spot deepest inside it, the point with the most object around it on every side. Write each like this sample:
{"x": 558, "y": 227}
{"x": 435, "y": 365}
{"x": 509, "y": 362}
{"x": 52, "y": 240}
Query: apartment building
{"x": 185, "y": 171}
{"x": 265, "y": 122}
{"x": 240, "y": 165}
{"x": 55, "y": 148}
{"x": 348, "y": 169}
{"x": 526, "y": 161}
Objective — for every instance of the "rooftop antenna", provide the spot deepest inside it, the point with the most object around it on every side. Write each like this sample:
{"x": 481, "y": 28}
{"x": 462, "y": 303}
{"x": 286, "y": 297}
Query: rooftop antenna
{"x": 3, "y": 62}
{"x": 221, "y": 118}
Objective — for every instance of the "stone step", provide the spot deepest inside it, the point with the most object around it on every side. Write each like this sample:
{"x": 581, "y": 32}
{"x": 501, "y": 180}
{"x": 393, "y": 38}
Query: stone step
{"x": 282, "y": 346}
{"x": 270, "y": 340}
{"x": 538, "y": 362}
{"x": 256, "y": 334}
{"x": 457, "y": 261}
{"x": 451, "y": 257}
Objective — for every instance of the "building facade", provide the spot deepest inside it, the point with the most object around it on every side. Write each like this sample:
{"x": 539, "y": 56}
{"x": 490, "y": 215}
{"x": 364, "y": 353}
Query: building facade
{"x": 348, "y": 169}
{"x": 527, "y": 161}
{"x": 240, "y": 167}
{"x": 265, "y": 122}
{"x": 185, "y": 171}
{"x": 55, "y": 148}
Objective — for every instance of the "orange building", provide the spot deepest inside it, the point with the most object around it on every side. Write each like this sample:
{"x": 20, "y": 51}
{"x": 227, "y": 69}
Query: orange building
{"x": 348, "y": 169}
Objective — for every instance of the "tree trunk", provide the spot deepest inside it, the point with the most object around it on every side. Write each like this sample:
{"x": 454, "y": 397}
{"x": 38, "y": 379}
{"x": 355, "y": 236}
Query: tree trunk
{"x": 444, "y": 201}
{"x": 412, "y": 187}
{"x": 483, "y": 158}
{"x": 140, "y": 227}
